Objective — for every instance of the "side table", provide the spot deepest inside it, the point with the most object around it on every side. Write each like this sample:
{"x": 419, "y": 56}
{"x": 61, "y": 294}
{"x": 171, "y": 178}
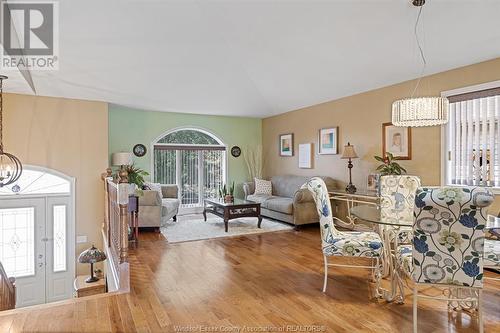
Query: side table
{"x": 82, "y": 288}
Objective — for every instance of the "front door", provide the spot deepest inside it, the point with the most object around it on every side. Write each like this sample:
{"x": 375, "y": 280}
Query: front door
{"x": 35, "y": 247}
{"x": 22, "y": 247}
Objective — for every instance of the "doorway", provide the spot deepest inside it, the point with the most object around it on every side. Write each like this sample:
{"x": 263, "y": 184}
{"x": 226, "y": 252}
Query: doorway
{"x": 37, "y": 235}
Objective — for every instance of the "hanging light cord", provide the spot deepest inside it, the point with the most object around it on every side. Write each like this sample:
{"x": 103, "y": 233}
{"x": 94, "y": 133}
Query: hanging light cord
{"x": 424, "y": 61}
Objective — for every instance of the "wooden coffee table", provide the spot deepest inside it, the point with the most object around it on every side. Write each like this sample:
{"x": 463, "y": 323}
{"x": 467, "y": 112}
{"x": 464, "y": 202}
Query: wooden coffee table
{"x": 229, "y": 211}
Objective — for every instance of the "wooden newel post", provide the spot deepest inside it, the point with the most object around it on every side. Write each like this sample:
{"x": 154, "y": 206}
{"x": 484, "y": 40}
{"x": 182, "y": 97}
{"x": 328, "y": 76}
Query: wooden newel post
{"x": 123, "y": 189}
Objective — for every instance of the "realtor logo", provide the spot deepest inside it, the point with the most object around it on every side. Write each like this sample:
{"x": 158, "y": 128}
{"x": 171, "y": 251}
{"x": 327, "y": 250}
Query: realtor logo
{"x": 29, "y": 35}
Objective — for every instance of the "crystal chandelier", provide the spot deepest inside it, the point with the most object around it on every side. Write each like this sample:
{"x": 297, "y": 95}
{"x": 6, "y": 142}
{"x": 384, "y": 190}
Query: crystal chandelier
{"x": 10, "y": 166}
{"x": 420, "y": 111}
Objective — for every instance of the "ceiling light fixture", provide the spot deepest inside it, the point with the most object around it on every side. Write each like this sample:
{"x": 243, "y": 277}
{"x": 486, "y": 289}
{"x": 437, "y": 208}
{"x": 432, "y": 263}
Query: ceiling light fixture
{"x": 10, "y": 166}
{"x": 420, "y": 111}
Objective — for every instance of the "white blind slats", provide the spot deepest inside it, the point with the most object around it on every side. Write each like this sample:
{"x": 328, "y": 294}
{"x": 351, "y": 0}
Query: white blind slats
{"x": 473, "y": 136}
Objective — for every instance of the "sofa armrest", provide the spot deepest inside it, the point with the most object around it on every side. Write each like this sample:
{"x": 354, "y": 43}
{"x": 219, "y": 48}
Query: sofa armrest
{"x": 302, "y": 195}
{"x": 170, "y": 191}
{"x": 248, "y": 188}
{"x": 150, "y": 198}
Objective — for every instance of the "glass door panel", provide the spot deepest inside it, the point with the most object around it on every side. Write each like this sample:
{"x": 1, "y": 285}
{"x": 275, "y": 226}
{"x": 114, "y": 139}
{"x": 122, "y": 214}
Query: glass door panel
{"x": 22, "y": 247}
{"x": 189, "y": 177}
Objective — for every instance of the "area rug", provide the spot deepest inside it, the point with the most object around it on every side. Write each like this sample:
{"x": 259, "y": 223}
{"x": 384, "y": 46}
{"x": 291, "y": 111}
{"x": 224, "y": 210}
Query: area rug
{"x": 193, "y": 227}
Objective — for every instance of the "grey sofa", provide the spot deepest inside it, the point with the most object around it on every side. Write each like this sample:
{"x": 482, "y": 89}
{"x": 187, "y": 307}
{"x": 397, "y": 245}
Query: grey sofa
{"x": 155, "y": 209}
{"x": 288, "y": 202}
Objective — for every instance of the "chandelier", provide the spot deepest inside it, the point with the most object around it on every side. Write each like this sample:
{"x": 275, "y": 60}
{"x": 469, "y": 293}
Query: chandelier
{"x": 420, "y": 111}
{"x": 10, "y": 166}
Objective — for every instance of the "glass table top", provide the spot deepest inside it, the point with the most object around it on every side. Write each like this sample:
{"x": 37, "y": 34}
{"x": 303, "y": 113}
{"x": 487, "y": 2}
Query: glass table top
{"x": 236, "y": 202}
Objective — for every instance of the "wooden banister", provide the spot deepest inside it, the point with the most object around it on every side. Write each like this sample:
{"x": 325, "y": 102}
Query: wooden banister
{"x": 7, "y": 290}
{"x": 115, "y": 227}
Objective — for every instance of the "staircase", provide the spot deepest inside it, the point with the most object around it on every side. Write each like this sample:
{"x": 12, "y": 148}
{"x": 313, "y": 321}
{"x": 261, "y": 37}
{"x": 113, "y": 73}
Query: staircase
{"x": 7, "y": 291}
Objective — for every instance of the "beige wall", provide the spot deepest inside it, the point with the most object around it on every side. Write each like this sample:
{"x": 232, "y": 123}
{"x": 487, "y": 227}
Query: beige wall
{"x": 70, "y": 136}
{"x": 360, "y": 119}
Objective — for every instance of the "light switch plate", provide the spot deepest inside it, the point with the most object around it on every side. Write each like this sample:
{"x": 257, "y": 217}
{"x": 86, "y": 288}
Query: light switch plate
{"x": 81, "y": 239}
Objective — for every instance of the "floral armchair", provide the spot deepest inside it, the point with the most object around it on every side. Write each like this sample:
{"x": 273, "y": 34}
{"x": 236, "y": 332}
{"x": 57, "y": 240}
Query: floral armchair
{"x": 337, "y": 243}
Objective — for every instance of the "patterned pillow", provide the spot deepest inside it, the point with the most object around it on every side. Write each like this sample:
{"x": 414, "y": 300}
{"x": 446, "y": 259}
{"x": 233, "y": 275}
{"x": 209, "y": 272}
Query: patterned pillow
{"x": 263, "y": 186}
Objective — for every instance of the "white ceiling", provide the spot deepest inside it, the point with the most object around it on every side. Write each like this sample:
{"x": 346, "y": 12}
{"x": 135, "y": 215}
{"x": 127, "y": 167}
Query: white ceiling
{"x": 255, "y": 58}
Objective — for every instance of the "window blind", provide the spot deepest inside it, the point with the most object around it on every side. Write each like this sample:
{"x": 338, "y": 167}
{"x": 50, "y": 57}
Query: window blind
{"x": 474, "y": 141}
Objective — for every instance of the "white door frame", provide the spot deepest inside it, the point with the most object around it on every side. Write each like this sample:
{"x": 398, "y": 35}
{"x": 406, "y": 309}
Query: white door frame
{"x": 71, "y": 224}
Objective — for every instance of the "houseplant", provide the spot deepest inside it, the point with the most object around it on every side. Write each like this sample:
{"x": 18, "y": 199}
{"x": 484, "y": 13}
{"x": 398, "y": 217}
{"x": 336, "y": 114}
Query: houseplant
{"x": 389, "y": 166}
{"x": 136, "y": 176}
{"x": 227, "y": 193}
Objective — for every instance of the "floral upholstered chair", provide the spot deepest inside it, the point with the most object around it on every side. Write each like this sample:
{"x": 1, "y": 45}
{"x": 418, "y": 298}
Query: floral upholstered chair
{"x": 397, "y": 200}
{"x": 448, "y": 244}
{"x": 342, "y": 244}
{"x": 397, "y": 197}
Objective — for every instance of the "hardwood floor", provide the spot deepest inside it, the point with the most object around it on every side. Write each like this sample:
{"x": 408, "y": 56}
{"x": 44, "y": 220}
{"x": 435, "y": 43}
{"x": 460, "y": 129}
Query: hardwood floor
{"x": 260, "y": 281}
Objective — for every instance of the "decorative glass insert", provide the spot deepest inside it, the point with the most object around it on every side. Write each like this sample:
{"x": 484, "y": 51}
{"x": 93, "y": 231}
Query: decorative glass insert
{"x": 17, "y": 234}
{"x": 37, "y": 182}
{"x": 189, "y": 136}
{"x": 59, "y": 235}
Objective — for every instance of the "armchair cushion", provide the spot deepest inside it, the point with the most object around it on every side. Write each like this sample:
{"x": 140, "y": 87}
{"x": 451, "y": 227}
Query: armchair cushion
{"x": 404, "y": 258}
{"x": 170, "y": 191}
{"x": 354, "y": 244}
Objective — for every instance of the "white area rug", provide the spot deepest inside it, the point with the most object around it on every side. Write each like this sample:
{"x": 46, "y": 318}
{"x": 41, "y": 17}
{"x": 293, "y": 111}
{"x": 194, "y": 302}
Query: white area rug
{"x": 193, "y": 227}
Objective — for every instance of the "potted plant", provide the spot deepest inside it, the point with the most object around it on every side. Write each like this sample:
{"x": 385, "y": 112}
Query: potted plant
{"x": 227, "y": 193}
{"x": 136, "y": 177}
{"x": 389, "y": 166}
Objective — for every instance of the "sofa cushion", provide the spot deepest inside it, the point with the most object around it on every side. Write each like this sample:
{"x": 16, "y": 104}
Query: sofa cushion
{"x": 169, "y": 205}
{"x": 279, "y": 204}
{"x": 169, "y": 191}
{"x": 287, "y": 185}
{"x": 260, "y": 198}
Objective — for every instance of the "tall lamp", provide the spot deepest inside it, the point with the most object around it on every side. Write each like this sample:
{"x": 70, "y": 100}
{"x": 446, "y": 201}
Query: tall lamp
{"x": 91, "y": 256}
{"x": 349, "y": 153}
{"x": 121, "y": 159}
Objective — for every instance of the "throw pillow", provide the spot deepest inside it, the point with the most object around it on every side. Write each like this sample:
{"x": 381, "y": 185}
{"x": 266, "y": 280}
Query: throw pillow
{"x": 155, "y": 187}
{"x": 263, "y": 186}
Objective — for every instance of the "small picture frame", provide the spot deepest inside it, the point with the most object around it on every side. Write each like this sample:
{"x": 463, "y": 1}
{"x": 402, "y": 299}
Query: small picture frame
{"x": 328, "y": 141}
{"x": 397, "y": 141}
{"x": 305, "y": 156}
{"x": 373, "y": 182}
{"x": 286, "y": 145}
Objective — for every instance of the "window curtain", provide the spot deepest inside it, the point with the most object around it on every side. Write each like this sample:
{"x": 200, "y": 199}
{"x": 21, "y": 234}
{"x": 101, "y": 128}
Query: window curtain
{"x": 474, "y": 141}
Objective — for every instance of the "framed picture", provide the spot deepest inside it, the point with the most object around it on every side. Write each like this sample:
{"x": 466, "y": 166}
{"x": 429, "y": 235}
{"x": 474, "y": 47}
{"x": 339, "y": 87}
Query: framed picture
{"x": 373, "y": 182}
{"x": 397, "y": 141}
{"x": 305, "y": 156}
{"x": 286, "y": 144}
{"x": 328, "y": 139}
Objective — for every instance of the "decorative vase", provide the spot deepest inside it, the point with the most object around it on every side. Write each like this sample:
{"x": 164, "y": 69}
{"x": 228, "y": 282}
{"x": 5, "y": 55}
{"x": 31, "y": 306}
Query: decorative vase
{"x": 228, "y": 199}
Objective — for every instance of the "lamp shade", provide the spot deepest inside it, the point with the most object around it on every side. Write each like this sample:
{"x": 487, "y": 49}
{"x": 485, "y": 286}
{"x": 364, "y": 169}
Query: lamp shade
{"x": 91, "y": 256}
{"x": 349, "y": 152}
{"x": 420, "y": 111}
{"x": 121, "y": 158}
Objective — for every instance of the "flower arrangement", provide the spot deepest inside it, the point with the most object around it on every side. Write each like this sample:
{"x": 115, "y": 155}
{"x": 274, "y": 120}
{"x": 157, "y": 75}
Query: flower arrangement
{"x": 136, "y": 175}
{"x": 389, "y": 166}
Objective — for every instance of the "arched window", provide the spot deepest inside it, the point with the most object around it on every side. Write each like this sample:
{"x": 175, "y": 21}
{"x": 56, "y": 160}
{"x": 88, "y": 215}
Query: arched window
{"x": 37, "y": 181}
{"x": 192, "y": 158}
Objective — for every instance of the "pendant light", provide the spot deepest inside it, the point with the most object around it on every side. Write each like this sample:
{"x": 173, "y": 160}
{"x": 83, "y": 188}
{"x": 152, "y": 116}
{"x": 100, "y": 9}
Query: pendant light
{"x": 420, "y": 111}
{"x": 10, "y": 166}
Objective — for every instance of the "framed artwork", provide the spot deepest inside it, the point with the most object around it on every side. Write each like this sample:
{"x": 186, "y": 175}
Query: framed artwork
{"x": 286, "y": 144}
{"x": 397, "y": 141}
{"x": 373, "y": 182}
{"x": 328, "y": 139}
{"x": 305, "y": 156}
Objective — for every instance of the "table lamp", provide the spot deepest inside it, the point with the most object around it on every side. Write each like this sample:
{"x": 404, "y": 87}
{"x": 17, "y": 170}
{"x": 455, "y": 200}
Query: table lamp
{"x": 349, "y": 153}
{"x": 91, "y": 256}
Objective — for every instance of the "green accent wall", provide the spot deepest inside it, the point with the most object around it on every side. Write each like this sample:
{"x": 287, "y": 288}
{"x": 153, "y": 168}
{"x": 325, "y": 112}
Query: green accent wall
{"x": 128, "y": 126}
